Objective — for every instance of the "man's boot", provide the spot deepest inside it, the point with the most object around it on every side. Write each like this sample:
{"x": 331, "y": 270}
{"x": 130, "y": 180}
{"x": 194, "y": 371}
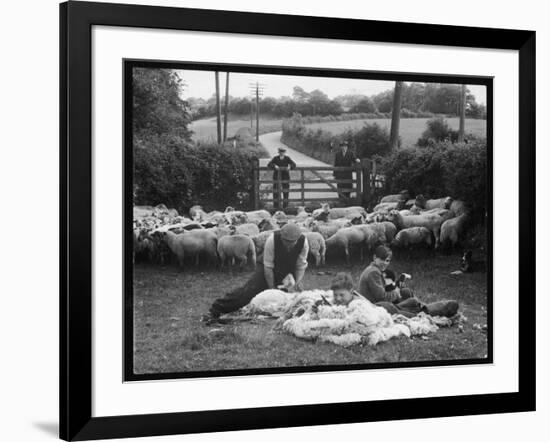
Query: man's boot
{"x": 441, "y": 308}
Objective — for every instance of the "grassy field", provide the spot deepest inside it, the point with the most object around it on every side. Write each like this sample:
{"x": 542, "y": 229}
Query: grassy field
{"x": 206, "y": 129}
{"x": 169, "y": 336}
{"x": 410, "y": 129}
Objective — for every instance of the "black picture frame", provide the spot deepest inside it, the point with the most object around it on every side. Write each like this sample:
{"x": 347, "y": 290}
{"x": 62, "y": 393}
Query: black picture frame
{"x": 76, "y": 21}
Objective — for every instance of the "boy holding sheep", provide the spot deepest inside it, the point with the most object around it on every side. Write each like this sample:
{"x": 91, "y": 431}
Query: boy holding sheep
{"x": 372, "y": 285}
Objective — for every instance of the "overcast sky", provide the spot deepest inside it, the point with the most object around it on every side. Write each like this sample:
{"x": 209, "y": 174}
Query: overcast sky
{"x": 200, "y": 84}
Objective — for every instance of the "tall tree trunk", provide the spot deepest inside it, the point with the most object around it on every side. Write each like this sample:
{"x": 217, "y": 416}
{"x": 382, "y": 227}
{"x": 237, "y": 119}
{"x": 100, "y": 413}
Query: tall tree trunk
{"x": 218, "y": 108}
{"x": 462, "y": 108}
{"x": 396, "y": 115}
{"x": 226, "y": 106}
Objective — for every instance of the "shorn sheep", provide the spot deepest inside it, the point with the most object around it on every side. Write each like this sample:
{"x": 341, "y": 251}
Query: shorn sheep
{"x": 193, "y": 244}
{"x": 429, "y": 220}
{"x": 317, "y": 247}
{"x": 412, "y": 236}
{"x": 346, "y": 237}
{"x": 451, "y": 230}
{"x": 237, "y": 248}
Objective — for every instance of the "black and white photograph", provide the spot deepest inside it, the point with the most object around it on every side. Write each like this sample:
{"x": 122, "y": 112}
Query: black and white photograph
{"x": 283, "y": 220}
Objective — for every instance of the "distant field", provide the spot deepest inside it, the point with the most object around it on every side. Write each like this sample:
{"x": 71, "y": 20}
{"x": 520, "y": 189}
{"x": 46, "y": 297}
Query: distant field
{"x": 410, "y": 129}
{"x": 206, "y": 129}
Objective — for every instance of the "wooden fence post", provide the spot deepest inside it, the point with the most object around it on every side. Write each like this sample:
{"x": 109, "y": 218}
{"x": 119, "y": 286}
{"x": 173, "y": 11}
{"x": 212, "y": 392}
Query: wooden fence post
{"x": 256, "y": 183}
{"x": 365, "y": 163}
{"x": 303, "y": 187}
{"x": 358, "y": 193}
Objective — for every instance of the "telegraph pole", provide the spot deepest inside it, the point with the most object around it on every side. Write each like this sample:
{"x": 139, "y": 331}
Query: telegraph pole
{"x": 218, "y": 108}
{"x": 257, "y": 90}
{"x": 226, "y": 106}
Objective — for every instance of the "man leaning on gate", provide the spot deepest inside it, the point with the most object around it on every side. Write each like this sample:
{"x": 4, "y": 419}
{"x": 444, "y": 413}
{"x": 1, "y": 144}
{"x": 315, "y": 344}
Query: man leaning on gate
{"x": 281, "y": 165}
{"x": 345, "y": 158}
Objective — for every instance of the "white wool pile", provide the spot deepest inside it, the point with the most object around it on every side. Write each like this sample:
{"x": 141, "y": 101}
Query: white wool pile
{"x": 359, "y": 321}
{"x": 423, "y": 324}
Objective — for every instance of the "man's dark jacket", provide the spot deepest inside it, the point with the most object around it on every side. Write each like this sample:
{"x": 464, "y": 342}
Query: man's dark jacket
{"x": 281, "y": 162}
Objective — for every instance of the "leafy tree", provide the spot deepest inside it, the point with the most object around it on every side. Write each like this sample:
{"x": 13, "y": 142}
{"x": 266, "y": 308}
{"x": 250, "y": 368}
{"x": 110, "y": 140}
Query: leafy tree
{"x": 158, "y": 108}
{"x": 365, "y": 105}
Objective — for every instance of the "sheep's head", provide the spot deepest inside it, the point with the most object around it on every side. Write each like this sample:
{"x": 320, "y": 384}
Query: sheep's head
{"x": 447, "y": 203}
{"x": 301, "y": 209}
{"x": 420, "y": 201}
{"x": 229, "y": 209}
{"x": 325, "y": 207}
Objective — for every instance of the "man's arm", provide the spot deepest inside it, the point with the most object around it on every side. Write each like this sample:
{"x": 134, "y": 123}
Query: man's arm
{"x": 269, "y": 277}
{"x": 271, "y": 164}
{"x": 301, "y": 263}
{"x": 269, "y": 262}
{"x": 292, "y": 163}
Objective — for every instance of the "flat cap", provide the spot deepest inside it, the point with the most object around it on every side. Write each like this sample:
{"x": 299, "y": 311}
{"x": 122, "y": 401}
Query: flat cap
{"x": 290, "y": 232}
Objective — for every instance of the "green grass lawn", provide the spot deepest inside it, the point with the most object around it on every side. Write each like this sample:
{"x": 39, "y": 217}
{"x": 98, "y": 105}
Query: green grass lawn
{"x": 169, "y": 336}
{"x": 410, "y": 129}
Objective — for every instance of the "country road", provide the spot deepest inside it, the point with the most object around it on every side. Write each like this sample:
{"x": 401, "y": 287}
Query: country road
{"x": 272, "y": 141}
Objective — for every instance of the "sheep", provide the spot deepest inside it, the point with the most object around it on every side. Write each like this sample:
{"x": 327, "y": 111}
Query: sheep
{"x": 389, "y": 230}
{"x": 257, "y": 216}
{"x": 317, "y": 246}
{"x": 325, "y": 213}
{"x": 325, "y": 229}
{"x": 302, "y": 215}
{"x": 280, "y": 218}
{"x": 238, "y": 248}
{"x": 404, "y": 195}
{"x": 192, "y": 243}
{"x": 143, "y": 211}
{"x": 260, "y": 240}
{"x": 344, "y": 238}
{"x": 458, "y": 207}
{"x": 411, "y": 236}
{"x": 451, "y": 230}
{"x": 439, "y": 203}
{"x": 196, "y": 213}
{"x": 431, "y": 221}
{"x": 267, "y": 224}
{"x": 375, "y": 234}
{"x": 235, "y": 216}
{"x": 248, "y": 229}
{"x": 385, "y": 207}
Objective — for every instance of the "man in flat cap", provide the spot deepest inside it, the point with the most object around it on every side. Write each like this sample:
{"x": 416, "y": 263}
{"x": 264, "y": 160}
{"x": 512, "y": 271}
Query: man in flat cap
{"x": 285, "y": 253}
{"x": 281, "y": 165}
{"x": 344, "y": 158}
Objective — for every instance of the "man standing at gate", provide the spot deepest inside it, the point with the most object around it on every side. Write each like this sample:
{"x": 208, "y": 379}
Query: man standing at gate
{"x": 281, "y": 165}
{"x": 344, "y": 158}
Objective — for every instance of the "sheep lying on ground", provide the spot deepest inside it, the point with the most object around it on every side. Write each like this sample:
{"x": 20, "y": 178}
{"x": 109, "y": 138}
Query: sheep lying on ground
{"x": 346, "y": 237}
{"x": 451, "y": 230}
{"x": 412, "y": 236}
{"x": 237, "y": 248}
{"x": 317, "y": 246}
{"x": 431, "y": 221}
{"x": 193, "y": 244}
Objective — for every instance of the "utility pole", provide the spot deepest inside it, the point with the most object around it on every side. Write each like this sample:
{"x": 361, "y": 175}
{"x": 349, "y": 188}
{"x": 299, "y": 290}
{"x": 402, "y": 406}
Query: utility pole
{"x": 218, "y": 108}
{"x": 462, "y": 109}
{"x": 257, "y": 90}
{"x": 226, "y": 106}
{"x": 395, "y": 115}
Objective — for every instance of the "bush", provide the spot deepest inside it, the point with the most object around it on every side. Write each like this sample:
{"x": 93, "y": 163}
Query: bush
{"x": 171, "y": 171}
{"x": 438, "y": 130}
{"x": 458, "y": 170}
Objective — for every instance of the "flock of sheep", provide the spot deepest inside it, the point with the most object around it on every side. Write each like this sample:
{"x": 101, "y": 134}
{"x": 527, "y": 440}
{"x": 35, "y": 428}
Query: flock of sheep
{"x": 237, "y": 237}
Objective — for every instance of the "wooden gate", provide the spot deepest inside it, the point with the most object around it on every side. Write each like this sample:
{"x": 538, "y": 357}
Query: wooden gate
{"x": 310, "y": 186}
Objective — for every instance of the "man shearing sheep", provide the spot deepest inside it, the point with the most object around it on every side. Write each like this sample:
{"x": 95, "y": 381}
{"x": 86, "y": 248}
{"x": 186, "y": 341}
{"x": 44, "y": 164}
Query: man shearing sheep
{"x": 285, "y": 252}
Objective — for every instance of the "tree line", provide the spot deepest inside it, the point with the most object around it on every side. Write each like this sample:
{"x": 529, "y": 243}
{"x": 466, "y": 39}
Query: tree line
{"x": 416, "y": 98}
